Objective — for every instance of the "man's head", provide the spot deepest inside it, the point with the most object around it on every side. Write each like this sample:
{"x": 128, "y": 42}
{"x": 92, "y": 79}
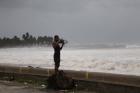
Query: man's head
{"x": 56, "y": 38}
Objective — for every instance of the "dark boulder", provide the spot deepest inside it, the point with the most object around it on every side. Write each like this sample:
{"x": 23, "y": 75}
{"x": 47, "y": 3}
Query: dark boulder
{"x": 60, "y": 81}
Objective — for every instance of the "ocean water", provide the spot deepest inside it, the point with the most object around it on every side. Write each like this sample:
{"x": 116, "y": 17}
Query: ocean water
{"x": 109, "y": 60}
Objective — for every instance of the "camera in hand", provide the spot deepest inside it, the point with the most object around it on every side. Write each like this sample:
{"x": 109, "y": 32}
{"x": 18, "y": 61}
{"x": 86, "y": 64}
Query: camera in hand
{"x": 61, "y": 41}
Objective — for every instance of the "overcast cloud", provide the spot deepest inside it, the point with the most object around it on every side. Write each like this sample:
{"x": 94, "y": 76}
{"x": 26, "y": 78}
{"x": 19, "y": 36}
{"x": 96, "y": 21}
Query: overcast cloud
{"x": 76, "y": 20}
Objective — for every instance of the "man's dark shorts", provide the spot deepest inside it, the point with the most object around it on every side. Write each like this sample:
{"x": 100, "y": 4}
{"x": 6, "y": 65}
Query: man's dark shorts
{"x": 57, "y": 60}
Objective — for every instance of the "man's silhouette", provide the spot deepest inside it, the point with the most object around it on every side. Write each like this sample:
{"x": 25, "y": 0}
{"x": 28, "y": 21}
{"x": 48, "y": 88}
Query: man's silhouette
{"x": 57, "y": 45}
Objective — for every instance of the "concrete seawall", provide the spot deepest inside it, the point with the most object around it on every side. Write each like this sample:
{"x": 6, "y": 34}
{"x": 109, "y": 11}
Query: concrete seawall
{"x": 100, "y": 82}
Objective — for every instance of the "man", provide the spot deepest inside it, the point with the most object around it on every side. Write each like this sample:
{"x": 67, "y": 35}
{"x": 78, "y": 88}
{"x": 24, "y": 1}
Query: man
{"x": 57, "y": 45}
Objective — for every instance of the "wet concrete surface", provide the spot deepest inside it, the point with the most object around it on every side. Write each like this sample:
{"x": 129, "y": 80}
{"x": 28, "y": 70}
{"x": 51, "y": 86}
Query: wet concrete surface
{"x": 14, "y": 87}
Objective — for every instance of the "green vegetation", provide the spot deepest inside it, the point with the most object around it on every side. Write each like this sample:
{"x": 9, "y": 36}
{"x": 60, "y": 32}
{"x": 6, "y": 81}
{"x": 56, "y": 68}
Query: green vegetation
{"x": 25, "y": 40}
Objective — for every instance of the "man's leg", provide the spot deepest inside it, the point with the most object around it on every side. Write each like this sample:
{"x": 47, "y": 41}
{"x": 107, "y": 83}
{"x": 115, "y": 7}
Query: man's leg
{"x": 57, "y": 64}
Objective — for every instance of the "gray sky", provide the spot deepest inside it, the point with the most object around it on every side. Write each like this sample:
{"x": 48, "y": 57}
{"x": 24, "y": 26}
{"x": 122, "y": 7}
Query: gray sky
{"x": 75, "y": 20}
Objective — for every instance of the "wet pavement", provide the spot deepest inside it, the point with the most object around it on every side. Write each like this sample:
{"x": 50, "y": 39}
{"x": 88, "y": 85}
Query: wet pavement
{"x": 14, "y": 87}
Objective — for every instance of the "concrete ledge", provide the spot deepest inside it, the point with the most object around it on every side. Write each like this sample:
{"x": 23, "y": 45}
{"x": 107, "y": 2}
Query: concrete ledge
{"x": 102, "y": 80}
